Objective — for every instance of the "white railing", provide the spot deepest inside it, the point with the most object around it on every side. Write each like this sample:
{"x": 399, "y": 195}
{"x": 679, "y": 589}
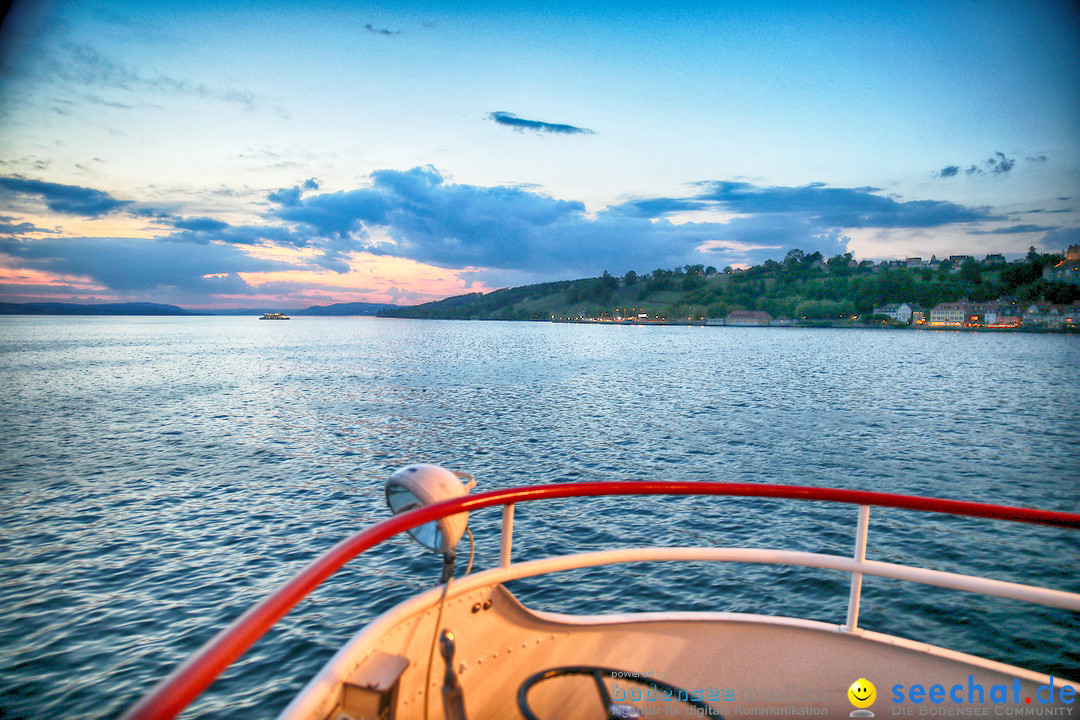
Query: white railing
{"x": 857, "y": 565}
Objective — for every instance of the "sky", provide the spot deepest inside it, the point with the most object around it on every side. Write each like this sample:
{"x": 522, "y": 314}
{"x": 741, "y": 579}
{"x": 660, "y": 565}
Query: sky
{"x": 241, "y": 154}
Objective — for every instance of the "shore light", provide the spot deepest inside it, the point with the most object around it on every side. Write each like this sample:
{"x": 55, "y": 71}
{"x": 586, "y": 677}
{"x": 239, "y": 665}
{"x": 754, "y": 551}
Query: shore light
{"x": 421, "y": 485}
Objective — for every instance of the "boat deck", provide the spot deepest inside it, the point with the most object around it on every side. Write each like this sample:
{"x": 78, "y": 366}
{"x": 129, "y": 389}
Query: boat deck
{"x": 739, "y": 664}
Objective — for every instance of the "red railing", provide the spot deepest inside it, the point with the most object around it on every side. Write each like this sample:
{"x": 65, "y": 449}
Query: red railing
{"x": 170, "y": 696}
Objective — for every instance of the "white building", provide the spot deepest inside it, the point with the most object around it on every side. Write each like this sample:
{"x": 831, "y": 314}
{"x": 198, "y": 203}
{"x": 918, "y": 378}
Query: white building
{"x": 899, "y": 312}
{"x": 952, "y": 314}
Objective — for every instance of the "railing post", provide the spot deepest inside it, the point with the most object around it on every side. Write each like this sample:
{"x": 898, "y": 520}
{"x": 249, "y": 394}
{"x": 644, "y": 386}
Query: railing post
{"x": 856, "y": 577}
{"x": 507, "y": 541}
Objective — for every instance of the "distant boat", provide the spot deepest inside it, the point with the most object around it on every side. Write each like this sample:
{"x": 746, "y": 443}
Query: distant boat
{"x": 273, "y": 316}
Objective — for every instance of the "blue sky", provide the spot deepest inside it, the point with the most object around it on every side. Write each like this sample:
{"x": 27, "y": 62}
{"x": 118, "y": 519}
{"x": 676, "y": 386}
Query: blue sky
{"x": 242, "y": 153}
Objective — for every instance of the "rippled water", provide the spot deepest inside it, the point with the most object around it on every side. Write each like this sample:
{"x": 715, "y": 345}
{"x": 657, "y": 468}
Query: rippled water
{"x": 162, "y": 474}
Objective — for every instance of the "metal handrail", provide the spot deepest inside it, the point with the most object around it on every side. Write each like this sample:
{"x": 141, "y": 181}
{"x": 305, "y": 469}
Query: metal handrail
{"x": 176, "y": 691}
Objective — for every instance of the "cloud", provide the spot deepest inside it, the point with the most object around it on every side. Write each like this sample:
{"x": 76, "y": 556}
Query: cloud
{"x": 74, "y": 71}
{"x": 15, "y": 226}
{"x": 203, "y": 231}
{"x": 134, "y": 264}
{"x": 1000, "y": 164}
{"x": 66, "y": 199}
{"x": 83, "y": 65}
{"x": 1013, "y": 229}
{"x": 516, "y": 231}
{"x": 840, "y": 207}
{"x": 285, "y": 196}
{"x": 1061, "y": 238}
{"x": 291, "y": 196}
{"x": 511, "y": 120}
{"x": 200, "y": 224}
{"x": 418, "y": 215}
{"x": 380, "y": 31}
{"x": 657, "y": 207}
{"x": 495, "y": 234}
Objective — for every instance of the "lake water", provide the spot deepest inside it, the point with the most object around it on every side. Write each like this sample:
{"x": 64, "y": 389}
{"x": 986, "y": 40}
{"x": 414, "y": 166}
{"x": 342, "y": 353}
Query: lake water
{"x": 162, "y": 474}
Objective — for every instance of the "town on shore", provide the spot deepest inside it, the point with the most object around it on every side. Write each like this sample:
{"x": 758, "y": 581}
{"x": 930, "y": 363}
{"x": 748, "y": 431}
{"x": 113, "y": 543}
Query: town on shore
{"x": 1037, "y": 292}
{"x": 1006, "y": 313}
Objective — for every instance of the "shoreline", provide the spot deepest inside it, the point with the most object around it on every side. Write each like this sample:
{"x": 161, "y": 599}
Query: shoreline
{"x": 1065, "y": 330}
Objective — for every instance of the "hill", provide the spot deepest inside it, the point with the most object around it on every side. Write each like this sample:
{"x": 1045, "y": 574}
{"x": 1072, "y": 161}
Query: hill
{"x": 353, "y": 308}
{"x": 57, "y": 308}
{"x": 356, "y": 308}
{"x": 803, "y": 287}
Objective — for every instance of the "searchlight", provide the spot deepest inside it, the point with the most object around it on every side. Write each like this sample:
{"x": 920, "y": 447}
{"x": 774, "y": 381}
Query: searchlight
{"x": 421, "y": 485}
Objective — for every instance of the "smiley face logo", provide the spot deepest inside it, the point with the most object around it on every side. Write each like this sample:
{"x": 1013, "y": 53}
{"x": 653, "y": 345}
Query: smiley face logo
{"x": 862, "y": 693}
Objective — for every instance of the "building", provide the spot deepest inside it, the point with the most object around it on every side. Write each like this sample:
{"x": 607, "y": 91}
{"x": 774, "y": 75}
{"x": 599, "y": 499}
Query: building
{"x": 1007, "y": 315}
{"x": 899, "y": 312}
{"x": 1045, "y": 316}
{"x": 980, "y": 313}
{"x": 748, "y": 318}
{"x": 1040, "y": 315}
{"x": 949, "y": 314}
{"x": 1070, "y": 316}
{"x": 1066, "y": 271}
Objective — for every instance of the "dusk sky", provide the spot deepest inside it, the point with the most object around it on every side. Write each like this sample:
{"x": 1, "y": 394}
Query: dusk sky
{"x": 217, "y": 154}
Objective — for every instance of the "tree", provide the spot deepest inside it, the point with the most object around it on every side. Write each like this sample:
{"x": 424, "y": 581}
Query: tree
{"x": 794, "y": 257}
{"x": 630, "y": 278}
{"x": 970, "y": 271}
{"x": 1020, "y": 274}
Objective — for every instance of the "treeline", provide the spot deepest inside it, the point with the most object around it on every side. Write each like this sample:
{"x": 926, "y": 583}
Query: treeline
{"x": 808, "y": 286}
{"x": 480, "y": 306}
{"x": 801, "y": 286}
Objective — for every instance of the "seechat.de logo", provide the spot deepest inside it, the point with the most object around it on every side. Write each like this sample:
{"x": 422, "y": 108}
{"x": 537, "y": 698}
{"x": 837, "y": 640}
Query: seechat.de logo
{"x": 862, "y": 694}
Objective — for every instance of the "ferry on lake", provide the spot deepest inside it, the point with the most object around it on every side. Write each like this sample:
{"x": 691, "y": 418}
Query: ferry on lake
{"x": 468, "y": 648}
{"x": 274, "y": 316}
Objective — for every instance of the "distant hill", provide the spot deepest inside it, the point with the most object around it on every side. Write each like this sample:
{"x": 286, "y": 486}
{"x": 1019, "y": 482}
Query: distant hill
{"x": 57, "y": 308}
{"x": 146, "y": 308}
{"x": 246, "y": 311}
{"x": 337, "y": 309}
{"x": 354, "y": 308}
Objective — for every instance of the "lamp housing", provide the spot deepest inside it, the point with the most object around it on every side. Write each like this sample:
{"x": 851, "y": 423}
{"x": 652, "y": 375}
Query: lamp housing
{"x": 422, "y": 484}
